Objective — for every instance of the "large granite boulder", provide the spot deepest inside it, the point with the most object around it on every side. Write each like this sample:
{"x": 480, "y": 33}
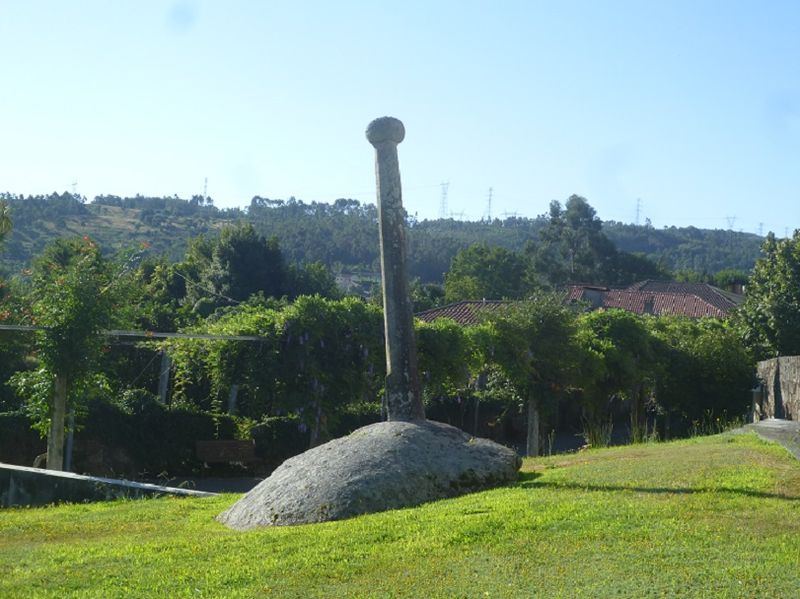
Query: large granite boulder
{"x": 382, "y": 466}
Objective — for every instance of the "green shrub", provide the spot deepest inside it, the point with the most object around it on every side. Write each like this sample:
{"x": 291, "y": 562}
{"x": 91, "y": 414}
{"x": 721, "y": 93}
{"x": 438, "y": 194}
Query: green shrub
{"x": 153, "y": 438}
{"x": 19, "y": 443}
{"x": 279, "y": 438}
{"x": 355, "y": 416}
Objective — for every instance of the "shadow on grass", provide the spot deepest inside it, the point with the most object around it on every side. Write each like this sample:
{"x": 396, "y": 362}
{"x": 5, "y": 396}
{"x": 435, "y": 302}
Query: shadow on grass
{"x": 527, "y": 480}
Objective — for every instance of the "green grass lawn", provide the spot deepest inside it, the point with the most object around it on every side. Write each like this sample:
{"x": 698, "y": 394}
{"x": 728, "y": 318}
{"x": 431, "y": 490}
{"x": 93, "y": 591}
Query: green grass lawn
{"x": 711, "y": 517}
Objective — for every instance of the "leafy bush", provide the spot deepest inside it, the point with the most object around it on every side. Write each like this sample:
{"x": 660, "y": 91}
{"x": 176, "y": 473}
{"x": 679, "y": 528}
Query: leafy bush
{"x": 279, "y": 438}
{"x": 153, "y": 438}
{"x": 19, "y": 443}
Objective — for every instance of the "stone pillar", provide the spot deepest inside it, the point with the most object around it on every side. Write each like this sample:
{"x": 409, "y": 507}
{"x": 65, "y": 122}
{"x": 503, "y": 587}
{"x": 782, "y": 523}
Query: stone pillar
{"x": 403, "y": 399}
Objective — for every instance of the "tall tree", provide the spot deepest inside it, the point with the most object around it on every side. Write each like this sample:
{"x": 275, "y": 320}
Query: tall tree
{"x": 5, "y": 220}
{"x": 533, "y": 346}
{"x": 572, "y": 247}
{"x": 73, "y": 300}
{"x": 228, "y": 269}
{"x": 770, "y": 315}
{"x": 484, "y": 272}
{"x": 620, "y": 350}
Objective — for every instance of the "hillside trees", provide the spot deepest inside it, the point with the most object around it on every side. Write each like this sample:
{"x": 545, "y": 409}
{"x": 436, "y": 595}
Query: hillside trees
{"x": 342, "y": 235}
{"x": 5, "y": 220}
{"x": 572, "y": 248}
{"x": 687, "y": 248}
{"x": 345, "y": 232}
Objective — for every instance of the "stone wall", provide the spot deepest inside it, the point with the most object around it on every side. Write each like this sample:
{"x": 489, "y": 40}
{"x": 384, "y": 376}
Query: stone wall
{"x": 780, "y": 397}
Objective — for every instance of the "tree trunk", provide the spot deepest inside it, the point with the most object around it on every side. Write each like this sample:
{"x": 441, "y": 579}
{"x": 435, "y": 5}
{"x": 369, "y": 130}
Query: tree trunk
{"x": 637, "y": 435}
{"x": 532, "y": 449}
{"x": 316, "y": 428}
{"x": 55, "y": 438}
{"x": 480, "y": 386}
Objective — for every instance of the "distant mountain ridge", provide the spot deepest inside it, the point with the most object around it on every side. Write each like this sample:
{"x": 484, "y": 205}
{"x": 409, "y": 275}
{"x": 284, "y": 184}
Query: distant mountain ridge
{"x": 342, "y": 235}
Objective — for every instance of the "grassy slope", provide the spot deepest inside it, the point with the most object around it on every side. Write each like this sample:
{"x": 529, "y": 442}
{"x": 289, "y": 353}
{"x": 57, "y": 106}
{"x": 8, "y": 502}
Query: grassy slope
{"x": 112, "y": 227}
{"x": 713, "y": 517}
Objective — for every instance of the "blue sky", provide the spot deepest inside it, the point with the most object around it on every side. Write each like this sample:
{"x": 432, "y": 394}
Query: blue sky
{"x": 691, "y": 107}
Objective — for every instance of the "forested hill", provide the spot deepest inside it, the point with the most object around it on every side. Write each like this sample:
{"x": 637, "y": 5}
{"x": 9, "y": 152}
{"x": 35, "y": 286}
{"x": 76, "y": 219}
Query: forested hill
{"x": 342, "y": 235}
{"x": 688, "y": 248}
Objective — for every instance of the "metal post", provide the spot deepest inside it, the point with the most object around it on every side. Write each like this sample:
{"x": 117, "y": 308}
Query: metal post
{"x": 163, "y": 377}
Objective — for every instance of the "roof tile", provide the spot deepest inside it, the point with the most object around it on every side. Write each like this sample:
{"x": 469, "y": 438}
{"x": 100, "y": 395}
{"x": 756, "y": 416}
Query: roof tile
{"x": 694, "y": 300}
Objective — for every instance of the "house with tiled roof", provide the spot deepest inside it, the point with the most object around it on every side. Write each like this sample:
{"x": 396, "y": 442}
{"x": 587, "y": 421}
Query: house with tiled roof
{"x": 693, "y": 300}
{"x": 720, "y": 298}
{"x": 464, "y": 313}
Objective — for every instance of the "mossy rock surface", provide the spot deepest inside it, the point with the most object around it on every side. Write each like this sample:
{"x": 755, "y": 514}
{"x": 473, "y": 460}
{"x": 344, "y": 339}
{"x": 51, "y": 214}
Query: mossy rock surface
{"x": 387, "y": 465}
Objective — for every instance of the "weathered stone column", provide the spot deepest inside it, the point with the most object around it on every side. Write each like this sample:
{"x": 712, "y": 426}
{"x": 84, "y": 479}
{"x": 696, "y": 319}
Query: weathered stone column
{"x": 403, "y": 401}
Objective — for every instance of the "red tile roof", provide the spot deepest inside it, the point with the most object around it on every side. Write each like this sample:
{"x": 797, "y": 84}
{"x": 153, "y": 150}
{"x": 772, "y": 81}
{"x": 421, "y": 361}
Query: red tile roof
{"x": 723, "y": 300}
{"x": 695, "y": 300}
{"x": 464, "y": 313}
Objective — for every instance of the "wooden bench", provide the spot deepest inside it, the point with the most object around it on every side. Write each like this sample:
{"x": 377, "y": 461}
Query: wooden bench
{"x": 226, "y": 451}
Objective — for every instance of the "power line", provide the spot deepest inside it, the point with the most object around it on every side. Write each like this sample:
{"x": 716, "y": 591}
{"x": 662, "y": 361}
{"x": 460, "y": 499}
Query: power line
{"x": 206, "y": 289}
{"x": 138, "y": 376}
